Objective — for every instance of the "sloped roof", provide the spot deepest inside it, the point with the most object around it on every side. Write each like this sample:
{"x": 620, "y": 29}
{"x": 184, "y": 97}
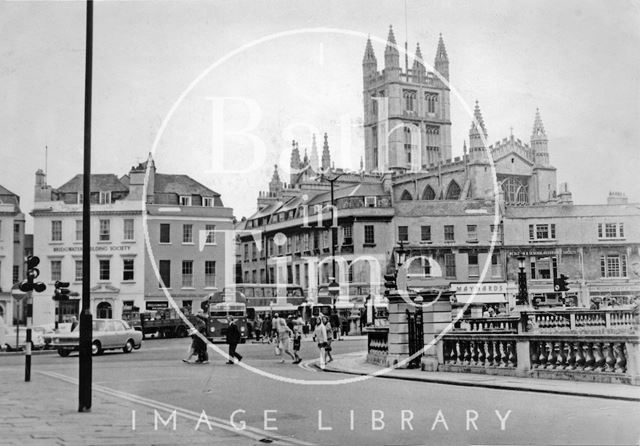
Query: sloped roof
{"x": 105, "y": 182}
{"x": 353, "y": 190}
{"x": 417, "y": 208}
{"x": 5, "y": 191}
{"x": 181, "y": 185}
{"x": 584, "y": 210}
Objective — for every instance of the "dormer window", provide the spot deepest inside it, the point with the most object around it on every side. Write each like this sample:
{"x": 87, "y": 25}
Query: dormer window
{"x": 207, "y": 202}
{"x": 370, "y": 202}
{"x": 105, "y": 197}
{"x": 185, "y": 200}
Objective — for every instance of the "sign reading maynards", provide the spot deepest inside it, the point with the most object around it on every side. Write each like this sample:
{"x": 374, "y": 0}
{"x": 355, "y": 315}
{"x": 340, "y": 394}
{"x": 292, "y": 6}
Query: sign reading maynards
{"x": 93, "y": 248}
{"x": 483, "y": 288}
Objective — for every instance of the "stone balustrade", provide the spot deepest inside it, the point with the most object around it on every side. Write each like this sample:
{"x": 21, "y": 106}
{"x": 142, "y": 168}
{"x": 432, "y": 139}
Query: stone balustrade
{"x": 610, "y": 321}
{"x": 377, "y": 345}
{"x": 491, "y": 324}
{"x": 593, "y": 357}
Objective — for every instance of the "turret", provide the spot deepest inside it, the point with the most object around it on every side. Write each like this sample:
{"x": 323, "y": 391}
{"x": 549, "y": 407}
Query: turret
{"x": 275, "y": 185}
{"x": 477, "y": 135}
{"x": 539, "y": 141}
{"x": 441, "y": 61}
{"x": 391, "y": 53}
{"x": 314, "y": 160}
{"x": 42, "y": 191}
{"x": 369, "y": 62}
{"x": 326, "y": 155}
{"x": 295, "y": 156}
{"x": 419, "y": 69}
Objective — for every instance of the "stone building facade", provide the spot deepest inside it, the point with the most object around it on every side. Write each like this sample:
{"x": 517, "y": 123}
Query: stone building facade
{"x": 180, "y": 217}
{"x": 12, "y": 237}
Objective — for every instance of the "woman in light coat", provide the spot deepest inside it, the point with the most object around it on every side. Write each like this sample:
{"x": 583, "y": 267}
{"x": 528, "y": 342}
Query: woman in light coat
{"x": 320, "y": 336}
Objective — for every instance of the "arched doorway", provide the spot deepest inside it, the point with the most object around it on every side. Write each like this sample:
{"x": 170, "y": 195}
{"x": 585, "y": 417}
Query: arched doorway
{"x": 104, "y": 311}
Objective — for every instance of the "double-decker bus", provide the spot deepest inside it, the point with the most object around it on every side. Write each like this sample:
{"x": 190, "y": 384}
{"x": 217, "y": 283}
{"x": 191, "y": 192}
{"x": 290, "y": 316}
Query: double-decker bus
{"x": 220, "y": 306}
{"x": 269, "y": 298}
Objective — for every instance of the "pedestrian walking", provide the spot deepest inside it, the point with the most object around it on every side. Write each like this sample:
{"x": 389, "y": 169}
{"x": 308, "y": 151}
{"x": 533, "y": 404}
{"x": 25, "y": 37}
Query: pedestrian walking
{"x": 266, "y": 329}
{"x": 298, "y": 325}
{"x": 233, "y": 339}
{"x": 328, "y": 329}
{"x": 200, "y": 347}
{"x": 284, "y": 334}
{"x": 258, "y": 328}
{"x": 193, "y": 333}
{"x": 321, "y": 338}
{"x": 335, "y": 325}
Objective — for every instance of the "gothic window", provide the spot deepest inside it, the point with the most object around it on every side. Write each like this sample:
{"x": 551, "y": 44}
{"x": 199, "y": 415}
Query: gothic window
{"x": 516, "y": 193}
{"x": 453, "y": 191}
{"x": 409, "y": 100}
{"x": 429, "y": 193}
{"x": 407, "y": 143}
{"x": 406, "y": 196}
{"x": 431, "y": 99}
{"x": 374, "y": 144}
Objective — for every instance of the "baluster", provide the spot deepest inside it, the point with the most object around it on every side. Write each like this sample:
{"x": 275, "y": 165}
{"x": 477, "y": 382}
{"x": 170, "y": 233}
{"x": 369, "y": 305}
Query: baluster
{"x": 481, "y": 355}
{"x": 513, "y": 361}
{"x": 571, "y": 356}
{"x": 589, "y": 360}
{"x": 559, "y": 349}
{"x": 610, "y": 360}
{"x": 467, "y": 352}
{"x": 579, "y": 364}
{"x": 504, "y": 353}
{"x": 543, "y": 354}
{"x": 551, "y": 358}
{"x": 621, "y": 359}
{"x": 474, "y": 355}
{"x": 452, "y": 352}
{"x": 490, "y": 353}
{"x": 598, "y": 358}
{"x": 496, "y": 353}
{"x": 534, "y": 354}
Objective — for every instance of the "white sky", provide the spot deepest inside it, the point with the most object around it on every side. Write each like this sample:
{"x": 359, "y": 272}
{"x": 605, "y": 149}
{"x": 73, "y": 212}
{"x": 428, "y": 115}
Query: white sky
{"x": 576, "y": 60}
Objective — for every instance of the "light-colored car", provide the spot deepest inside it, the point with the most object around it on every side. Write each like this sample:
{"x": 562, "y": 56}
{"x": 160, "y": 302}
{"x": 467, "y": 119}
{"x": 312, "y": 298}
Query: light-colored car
{"x": 108, "y": 334}
{"x": 37, "y": 338}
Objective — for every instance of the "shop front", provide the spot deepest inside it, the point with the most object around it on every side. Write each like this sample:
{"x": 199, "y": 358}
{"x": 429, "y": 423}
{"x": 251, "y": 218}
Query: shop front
{"x": 473, "y": 298}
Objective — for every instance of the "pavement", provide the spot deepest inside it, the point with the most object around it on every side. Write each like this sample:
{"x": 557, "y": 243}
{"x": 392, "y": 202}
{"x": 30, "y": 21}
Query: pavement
{"x": 355, "y": 364}
{"x": 44, "y": 412}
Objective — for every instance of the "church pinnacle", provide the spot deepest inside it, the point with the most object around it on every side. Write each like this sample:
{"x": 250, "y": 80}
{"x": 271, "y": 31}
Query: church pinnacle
{"x": 314, "y": 161}
{"x": 418, "y": 61}
{"x": 477, "y": 136}
{"x": 539, "y": 141}
{"x": 295, "y": 156}
{"x": 441, "y": 62}
{"x": 391, "y": 53}
{"x": 326, "y": 155}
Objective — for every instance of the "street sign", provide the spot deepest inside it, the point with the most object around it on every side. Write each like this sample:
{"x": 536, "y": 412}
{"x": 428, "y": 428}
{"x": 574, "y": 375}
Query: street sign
{"x": 16, "y": 293}
{"x": 334, "y": 288}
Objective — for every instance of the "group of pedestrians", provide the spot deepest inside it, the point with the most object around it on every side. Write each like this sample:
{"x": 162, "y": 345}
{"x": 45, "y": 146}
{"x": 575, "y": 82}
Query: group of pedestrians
{"x": 286, "y": 334}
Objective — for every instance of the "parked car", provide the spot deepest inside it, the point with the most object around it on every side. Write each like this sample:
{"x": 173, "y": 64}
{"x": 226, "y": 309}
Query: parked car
{"x": 37, "y": 338}
{"x": 108, "y": 334}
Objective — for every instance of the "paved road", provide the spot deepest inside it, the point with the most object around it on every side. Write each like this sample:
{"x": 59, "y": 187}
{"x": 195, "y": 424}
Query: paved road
{"x": 319, "y": 410}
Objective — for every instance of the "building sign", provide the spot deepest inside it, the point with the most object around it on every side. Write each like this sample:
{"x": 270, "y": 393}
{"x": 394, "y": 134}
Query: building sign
{"x": 476, "y": 288}
{"x": 614, "y": 288}
{"x": 106, "y": 248}
{"x": 154, "y": 306}
{"x": 542, "y": 251}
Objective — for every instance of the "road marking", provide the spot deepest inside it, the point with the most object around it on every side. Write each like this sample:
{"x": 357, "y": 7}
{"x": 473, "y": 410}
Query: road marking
{"x": 308, "y": 365}
{"x": 249, "y": 432}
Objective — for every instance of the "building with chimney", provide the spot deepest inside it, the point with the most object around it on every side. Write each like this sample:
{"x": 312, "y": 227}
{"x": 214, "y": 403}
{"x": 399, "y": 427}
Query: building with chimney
{"x": 460, "y": 219}
{"x": 183, "y": 220}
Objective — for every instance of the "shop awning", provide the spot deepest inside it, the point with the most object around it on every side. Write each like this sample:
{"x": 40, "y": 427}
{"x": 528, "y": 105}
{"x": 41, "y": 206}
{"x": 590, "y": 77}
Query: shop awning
{"x": 463, "y": 299}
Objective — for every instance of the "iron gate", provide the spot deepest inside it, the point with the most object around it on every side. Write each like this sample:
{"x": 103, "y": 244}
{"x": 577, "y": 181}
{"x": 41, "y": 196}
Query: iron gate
{"x": 416, "y": 337}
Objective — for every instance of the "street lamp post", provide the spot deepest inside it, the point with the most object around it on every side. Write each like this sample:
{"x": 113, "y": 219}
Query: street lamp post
{"x": 334, "y": 229}
{"x": 523, "y": 294}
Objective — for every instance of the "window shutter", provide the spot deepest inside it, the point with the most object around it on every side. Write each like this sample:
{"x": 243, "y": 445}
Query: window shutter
{"x": 621, "y": 230}
{"x": 623, "y": 260}
{"x": 599, "y": 230}
{"x": 603, "y": 266}
{"x": 531, "y": 233}
{"x": 553, "y": 230}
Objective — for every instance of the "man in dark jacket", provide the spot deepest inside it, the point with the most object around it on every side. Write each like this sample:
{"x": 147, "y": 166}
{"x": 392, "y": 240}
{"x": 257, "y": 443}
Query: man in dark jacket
{"x": 233, "y": 339}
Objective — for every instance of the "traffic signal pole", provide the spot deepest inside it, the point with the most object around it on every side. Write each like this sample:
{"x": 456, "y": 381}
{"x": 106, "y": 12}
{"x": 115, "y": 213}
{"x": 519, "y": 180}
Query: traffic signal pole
{"x": 86, "y": 319}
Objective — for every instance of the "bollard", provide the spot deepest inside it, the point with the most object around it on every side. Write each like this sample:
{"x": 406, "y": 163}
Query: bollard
{"x": 27, "y": 360}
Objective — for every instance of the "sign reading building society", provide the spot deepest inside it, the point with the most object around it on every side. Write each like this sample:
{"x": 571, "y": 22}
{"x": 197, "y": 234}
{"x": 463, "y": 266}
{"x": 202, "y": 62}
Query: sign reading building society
{"x": 93, "y": 248}
{"x": 475, "y": 288}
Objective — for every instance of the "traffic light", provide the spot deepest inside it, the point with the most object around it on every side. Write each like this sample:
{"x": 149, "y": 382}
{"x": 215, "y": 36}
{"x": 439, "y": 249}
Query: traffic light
{"x": 32, "y": 274}
{"x": 390, "y": 283}
{"x": 563, "y": 284}
{"x": 62, "y": 291}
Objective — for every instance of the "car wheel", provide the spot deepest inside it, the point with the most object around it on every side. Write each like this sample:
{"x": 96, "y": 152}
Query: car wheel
{"x": 128, "y": 347}
{"x": 64, "y": 352}
{"x": 96, "y": 348}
